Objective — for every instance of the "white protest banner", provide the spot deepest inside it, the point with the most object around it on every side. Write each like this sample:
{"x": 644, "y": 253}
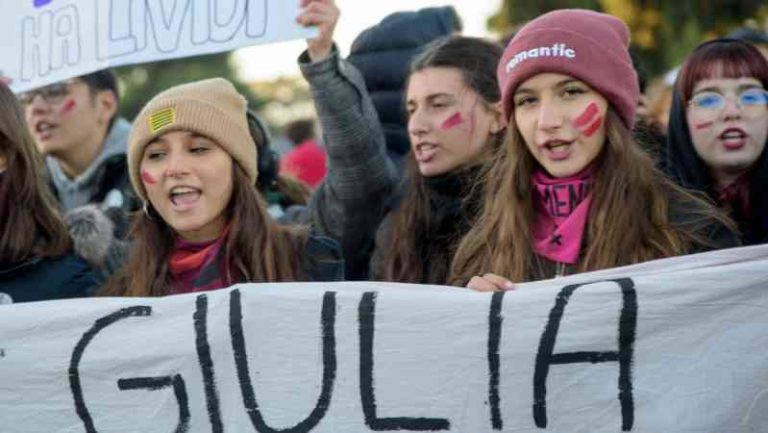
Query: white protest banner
{"x": 51, "y": 40}
{"x": 676, "y": 345}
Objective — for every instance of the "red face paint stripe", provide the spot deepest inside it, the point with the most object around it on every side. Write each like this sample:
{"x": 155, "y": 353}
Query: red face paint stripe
{"x": 68, "y": 106}
{"x": 453, "y": 121}
{"x": 704, "y": 125}
{"x": 586, "y": 117}
{"x": 147, "y": 178}
{"x": 593, "y": 127}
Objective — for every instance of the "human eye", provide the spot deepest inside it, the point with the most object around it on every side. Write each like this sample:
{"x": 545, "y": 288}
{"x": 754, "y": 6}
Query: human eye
{"x": 525, "y": 100}
{"x": 154, "y": 154}
{"x": 708, "y": 100}
{"x": 753, "y": 97}
{"x": 573, "y": 91}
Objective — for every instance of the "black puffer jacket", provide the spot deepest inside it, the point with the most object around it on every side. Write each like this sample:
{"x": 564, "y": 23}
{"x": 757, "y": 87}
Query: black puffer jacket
{"x": 683, "y": 164}
{"x": 383, "y": 55}
{"x": 43, "y": 279}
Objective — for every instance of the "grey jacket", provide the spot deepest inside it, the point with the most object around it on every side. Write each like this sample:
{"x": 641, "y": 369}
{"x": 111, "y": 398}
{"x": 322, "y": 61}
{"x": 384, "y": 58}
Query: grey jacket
{"x": 361, "y": 180}
{"x": 105, "y": 182}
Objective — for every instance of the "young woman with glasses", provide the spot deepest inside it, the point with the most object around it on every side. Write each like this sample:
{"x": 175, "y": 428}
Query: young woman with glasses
{"x": 718, "y": 131}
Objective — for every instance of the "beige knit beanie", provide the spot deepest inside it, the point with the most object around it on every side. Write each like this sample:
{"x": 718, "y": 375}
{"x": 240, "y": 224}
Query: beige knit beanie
{"x": 212, "y": 108}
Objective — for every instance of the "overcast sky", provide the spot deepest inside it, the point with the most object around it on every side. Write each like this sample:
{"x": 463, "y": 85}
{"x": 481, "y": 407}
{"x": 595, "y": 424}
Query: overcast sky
{"x": 270, "y": 61}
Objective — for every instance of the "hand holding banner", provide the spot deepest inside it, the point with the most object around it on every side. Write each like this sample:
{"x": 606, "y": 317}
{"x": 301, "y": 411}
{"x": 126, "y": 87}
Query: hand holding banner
{"x": 60, "y": 39}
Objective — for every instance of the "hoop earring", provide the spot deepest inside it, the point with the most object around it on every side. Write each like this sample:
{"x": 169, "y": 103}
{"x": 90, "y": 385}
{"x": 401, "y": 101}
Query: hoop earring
{"x": 145, "y": 209}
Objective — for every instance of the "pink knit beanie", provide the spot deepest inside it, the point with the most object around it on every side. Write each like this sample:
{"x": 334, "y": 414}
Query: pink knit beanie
{"x": 590, "y": 46}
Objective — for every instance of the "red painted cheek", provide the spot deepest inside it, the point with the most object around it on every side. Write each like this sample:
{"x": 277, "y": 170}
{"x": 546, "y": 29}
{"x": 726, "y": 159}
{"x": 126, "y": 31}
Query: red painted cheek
{"x": 704, "y": 125}
{"x": 147, "y": 178}
{"x": 587, "y": 116}
{"x": 68, "y": 106}
{"x": 592, "y": 129}
{"x": 452, "y": 121}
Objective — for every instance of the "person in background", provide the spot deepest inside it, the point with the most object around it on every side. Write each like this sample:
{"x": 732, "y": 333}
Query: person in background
{"x": 571, "y": 190}
{"x": 204, "y": 225}
{"x": 75, "y": 125}
{"x": 455, "y": 124}
{"x": 757, "y": 38}
{"x": 383, "y": 54}
{"x": 361, "y": 179}
{"x": 718, "y": 130}
{"x": 307, "y": 160}
{"x": 36, "y": 258}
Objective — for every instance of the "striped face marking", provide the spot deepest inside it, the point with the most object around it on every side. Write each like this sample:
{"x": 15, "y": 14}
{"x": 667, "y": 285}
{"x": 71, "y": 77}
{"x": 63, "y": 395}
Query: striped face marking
{"x": 147, "y": 178}
{"x": 68, "y": 106}
{"x": 704, "y": 125}
{"x": 452, "y": 121}
{"x": 589, "y": 121}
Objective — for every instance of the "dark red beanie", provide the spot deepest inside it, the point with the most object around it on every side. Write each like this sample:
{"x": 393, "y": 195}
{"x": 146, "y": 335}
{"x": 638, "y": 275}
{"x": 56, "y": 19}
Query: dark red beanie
{"x": 588, "y": 45}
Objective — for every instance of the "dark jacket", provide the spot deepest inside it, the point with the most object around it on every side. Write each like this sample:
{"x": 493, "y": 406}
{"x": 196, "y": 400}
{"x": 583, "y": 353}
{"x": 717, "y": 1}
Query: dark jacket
{"x": 685, "y": 167}
{"x": 361, "y": 180}
{"x": 322, "y": 260}
{"x": 454, "y": 202}
{"x": 42, "y": 279}
{"x": 383, "y": 54}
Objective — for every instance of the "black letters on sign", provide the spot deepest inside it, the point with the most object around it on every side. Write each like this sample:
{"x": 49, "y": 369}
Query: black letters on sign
{"x": 626, "y": 340}
{"x": 157, "y": 383}
{"x": 327, "y": 324}
{"x": 366, "y": 317}
{"x": 77, "y": 356}
{"x": 200, "y": 319}
{"x": 494, "y": 339}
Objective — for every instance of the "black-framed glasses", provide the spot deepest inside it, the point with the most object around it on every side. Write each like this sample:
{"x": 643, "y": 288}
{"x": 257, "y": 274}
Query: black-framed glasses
{"x": 52, "y": 94}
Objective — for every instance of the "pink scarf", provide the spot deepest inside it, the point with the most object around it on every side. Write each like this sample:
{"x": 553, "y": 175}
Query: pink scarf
{"x": 562, "y": 206}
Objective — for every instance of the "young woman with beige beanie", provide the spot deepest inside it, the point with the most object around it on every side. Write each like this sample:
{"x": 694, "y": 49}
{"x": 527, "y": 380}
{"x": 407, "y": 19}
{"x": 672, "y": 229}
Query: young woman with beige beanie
{"x": 204, "y": 225}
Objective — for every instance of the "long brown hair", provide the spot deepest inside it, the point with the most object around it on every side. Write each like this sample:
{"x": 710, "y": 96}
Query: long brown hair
{"x": 629, "y": 219}
{"x": 403, "y": 258}
{"x": 257, "y": 248}
{"x": 30, "y": 223}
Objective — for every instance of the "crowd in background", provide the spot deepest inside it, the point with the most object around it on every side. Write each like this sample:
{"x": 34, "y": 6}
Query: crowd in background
{"x": 435, "y": 158}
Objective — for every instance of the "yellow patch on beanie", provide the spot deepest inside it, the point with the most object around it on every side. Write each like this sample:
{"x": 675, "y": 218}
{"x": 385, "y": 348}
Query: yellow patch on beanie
{"x": 162, "y": 118}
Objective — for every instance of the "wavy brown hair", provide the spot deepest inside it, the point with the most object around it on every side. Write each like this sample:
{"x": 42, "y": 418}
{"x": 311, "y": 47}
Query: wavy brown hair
{"x": 30, "y": 222}
{"x": 403, "y": 258}
{"x": 257, "y": 248}
{"x": 629, "y": 219}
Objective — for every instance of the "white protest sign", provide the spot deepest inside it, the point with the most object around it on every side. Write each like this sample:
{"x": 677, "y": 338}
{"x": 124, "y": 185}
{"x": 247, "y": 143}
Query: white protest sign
{"x": 676, "y": 345}
{"x": 51, "y": 40}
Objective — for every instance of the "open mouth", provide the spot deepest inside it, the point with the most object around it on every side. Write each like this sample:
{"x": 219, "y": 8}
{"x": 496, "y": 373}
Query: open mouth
{"x": 44, "y": 129}
{"x": 184, "y": 196}
{"x": 733, "y": 138}
{"x": 425, "y": 151}
{"x": 557, "y": 149}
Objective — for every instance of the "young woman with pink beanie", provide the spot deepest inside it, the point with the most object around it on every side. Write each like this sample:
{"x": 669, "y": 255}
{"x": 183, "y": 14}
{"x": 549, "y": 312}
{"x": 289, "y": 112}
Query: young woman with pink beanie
{"x": 571, "y": 191}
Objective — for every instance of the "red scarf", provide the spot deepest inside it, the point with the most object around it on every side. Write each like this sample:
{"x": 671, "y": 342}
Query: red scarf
{"x": 198, "y": 266}
{"x": 562, "y": 206}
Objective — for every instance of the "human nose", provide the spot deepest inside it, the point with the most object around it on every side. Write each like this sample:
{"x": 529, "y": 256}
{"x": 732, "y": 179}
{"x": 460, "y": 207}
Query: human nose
{"x": 177, "y": 165}
{"x": 549, "y": 116}
{"x": 417, "y": 124}
{"x": 731, "y": 107}
{"x": 38, "y": 103}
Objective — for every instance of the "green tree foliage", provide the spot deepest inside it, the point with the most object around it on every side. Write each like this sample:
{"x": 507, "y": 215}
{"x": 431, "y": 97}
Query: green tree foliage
{"x": 663, "y": 32}
{"x": 142, "y": 82}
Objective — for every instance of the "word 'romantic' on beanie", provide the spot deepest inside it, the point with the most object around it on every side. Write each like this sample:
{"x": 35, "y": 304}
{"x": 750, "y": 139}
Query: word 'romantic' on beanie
{"x": 590, "y": 46}
{"x": 212, "y": 108}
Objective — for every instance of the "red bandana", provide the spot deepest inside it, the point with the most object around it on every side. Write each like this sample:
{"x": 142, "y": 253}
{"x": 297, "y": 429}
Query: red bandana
{"x": 736, "y": 194}
{"x": 198, "y": 266}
